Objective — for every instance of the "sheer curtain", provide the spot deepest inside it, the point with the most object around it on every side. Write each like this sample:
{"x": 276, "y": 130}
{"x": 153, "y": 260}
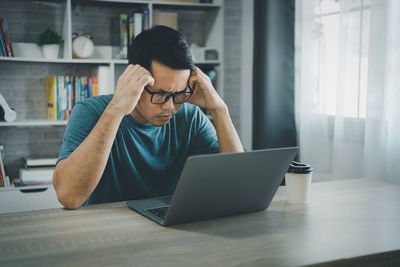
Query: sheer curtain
{"x": 347, "y": 88}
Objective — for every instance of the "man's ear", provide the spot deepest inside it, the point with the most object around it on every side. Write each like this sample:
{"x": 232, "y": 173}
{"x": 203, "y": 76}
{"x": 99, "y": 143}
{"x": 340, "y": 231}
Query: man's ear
{"x": 193, "y": 86}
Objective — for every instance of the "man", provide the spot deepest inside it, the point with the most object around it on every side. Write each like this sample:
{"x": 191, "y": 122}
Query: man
{"x": 133, "y": 144}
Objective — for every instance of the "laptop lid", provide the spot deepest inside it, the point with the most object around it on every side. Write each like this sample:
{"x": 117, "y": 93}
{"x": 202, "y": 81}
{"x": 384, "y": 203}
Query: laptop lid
{"x": 217, "y": 185}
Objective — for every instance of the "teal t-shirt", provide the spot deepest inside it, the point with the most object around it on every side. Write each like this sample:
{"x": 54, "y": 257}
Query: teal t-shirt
{"x": 145, "y": 160}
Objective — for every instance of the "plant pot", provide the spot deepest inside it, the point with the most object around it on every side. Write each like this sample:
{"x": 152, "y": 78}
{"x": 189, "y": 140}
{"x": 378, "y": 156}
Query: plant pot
{"x": 50, "y": 51}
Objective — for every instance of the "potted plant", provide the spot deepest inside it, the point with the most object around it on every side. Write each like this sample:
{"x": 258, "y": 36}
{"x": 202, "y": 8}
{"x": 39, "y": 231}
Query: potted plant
{"x": 50, "y": 42}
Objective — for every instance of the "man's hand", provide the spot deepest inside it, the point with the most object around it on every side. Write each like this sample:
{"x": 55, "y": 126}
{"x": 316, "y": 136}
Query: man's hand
{"x": 130, "y": 87}
{"x": 204, "y": 94}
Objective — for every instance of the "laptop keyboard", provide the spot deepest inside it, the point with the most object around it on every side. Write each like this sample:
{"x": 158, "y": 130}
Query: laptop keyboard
{"x": 159, "y": 212}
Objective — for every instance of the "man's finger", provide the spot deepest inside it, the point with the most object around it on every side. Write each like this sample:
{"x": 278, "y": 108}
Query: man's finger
{"x": 146, "y": 80}
{"x": 134, "y": 70}
{"x": 127, "y": 69}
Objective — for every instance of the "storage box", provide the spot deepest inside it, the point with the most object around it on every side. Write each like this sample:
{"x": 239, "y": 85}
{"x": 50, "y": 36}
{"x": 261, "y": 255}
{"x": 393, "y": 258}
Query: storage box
{"x": 169, "y": 19}
{"x": 186, "y": 1}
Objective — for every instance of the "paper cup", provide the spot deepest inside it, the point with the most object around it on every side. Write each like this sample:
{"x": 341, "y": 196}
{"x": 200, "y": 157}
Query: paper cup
{"x": 298, "y": 183}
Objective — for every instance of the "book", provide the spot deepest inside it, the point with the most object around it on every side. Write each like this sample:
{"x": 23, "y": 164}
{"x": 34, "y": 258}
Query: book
{"x": 63, "y": 92}
{"x": 63, "y": 97}
{"x": 67, "y": 108}
{"x": 104, "y": 81}
{"x": 51, "y": 97}
{"x": 86, "y": 87}
{"x": 2, "y": 172}
{"x": 70, "y": 95}
{"x": 146, "y": 21}
{"x": 135, "y": 27}
{"x": 138, "y": 25}
{"x": 9, "y": 41}
{"x": 120, "y": 34}
{"x": 4, "y": 180}
{"x": 82, "y": 86}
{"x": 36, "y": 175}
{"x": 72, "y": 81}
{"x": 90, "y": 86}
{"x": 131, "y": 25}
{"x": 4, "y": 27}
{"x": 95, "y": 86}
{"x": 123, "y": 34}
{"x": 3, "y": 47}
{"x": 40, "y": 162}
{"x": 2, "y": 151}
{"x": 77, "y": 90}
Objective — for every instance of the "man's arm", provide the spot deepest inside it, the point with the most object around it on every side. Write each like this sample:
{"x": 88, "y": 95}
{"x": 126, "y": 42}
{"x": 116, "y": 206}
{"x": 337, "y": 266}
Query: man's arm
{"x": 205, "y": 96}
{"x": 73, "y": 180}
{"x": 228, "y": 138}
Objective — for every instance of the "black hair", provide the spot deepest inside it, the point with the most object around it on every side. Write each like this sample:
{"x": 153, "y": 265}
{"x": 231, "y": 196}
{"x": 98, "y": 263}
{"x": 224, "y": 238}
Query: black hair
{"x": 162, "y": 44}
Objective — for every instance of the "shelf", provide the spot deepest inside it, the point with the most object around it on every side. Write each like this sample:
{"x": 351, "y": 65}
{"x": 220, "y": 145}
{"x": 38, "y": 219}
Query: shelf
{"x": 61, "y": 60}
{"x": 25, "y": 123}
{"x": 26, "y": 187}
{"x": 164, "y": 3}
{"x": 89, "y": 61}
{"x": 208, "y": 62}
{"x": 120, "y": 61}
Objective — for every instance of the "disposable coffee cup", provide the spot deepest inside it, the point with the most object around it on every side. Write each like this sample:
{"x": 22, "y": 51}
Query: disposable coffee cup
{"x": 298, "y": 183}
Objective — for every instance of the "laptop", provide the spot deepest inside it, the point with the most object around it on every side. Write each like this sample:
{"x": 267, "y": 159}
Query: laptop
{"x": 219, "y": 185}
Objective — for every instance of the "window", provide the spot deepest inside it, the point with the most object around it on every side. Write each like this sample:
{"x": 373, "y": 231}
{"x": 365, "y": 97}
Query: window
{"x": 342, "y": 33}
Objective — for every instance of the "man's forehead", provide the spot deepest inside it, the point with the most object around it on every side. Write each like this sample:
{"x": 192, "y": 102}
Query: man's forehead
{"x": 160, "y": 68}
{"x": 168, "y": 79}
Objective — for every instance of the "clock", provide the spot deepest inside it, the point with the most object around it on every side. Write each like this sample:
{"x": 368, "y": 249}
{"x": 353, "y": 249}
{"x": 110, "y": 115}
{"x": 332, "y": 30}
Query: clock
{"x": 82, "y": 47}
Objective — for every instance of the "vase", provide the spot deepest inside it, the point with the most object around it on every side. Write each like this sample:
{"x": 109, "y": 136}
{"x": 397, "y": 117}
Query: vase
{"x": 50, "y": 51}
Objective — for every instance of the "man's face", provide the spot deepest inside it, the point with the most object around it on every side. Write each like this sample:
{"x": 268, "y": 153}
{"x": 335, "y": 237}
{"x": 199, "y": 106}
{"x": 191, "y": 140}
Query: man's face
{"x": 165, "y": 80}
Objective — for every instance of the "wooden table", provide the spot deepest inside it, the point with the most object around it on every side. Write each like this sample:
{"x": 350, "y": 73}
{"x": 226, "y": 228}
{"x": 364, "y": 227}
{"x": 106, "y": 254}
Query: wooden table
{"x": 344, "y": 219}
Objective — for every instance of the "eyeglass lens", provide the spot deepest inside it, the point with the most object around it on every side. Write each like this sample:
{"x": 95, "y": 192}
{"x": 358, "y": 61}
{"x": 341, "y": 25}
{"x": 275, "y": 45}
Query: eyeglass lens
{"x": 181, "y": 97}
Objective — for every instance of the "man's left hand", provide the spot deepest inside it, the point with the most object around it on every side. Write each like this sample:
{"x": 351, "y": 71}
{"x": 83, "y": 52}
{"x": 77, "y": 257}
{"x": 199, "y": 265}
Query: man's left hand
{"x": 204, "y": 94}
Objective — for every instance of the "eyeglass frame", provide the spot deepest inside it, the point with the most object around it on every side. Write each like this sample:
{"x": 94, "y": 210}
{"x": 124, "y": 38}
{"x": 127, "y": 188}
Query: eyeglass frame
{"x": 168, "y": 95}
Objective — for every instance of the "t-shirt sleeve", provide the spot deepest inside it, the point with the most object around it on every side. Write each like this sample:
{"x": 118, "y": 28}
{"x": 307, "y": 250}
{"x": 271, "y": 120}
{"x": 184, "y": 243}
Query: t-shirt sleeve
{"x": 82, "y": 120}
{"x": 204, "y": 140}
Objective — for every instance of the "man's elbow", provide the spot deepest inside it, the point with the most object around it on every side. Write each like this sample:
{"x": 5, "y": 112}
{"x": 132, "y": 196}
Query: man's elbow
{"x": 67, "y": 201}
{"x": 69, "y": 204}
{"x": 64, "y": 197}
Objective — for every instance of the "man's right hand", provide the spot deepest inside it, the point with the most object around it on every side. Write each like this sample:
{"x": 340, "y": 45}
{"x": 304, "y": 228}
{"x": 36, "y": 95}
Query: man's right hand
{"x": 130, "y": 87}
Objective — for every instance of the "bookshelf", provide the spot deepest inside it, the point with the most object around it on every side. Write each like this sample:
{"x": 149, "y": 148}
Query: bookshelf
{"x": 94, "y": 16}
{"x": 23, "y": 77}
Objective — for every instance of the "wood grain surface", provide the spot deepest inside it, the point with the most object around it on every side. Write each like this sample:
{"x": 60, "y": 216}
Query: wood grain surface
{"x": 344, "y": 219}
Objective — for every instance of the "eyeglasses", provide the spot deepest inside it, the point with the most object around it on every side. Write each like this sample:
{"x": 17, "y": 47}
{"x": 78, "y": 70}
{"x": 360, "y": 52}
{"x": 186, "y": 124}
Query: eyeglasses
{"x": 178, "y": 97}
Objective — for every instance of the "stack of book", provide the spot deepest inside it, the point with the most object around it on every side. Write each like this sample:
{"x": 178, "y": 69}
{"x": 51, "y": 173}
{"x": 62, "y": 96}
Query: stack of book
{"x": 4, "y": 179}
{"x": 5, "y": 43}
{"x": 63, "y": 92}
{"x": 126, "y": 27}
{"x": 38, "y": 171}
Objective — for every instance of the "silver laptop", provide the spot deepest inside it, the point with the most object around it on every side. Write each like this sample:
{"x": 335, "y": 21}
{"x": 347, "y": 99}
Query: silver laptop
{"x": 219, "y": 185}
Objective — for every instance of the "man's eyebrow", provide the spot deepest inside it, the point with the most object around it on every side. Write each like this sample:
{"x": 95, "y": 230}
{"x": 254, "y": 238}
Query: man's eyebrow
{"x": 159, "y": 90}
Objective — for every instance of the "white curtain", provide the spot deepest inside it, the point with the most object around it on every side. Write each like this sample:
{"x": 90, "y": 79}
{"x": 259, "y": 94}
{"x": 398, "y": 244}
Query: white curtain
{"x": 347, "y": 88}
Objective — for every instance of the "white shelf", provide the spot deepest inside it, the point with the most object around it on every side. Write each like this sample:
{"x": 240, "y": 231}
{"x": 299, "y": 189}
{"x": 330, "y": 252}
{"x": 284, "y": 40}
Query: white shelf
{"x": 208, "y": 62}
{"x": 89, "y": 61}
{"x": 184, "y": 4}
{"x": 35, "y": 123}
{"x": 16, "y": 188}
{"x": 61, "y": 60}
{"x": 163, "y": 3}
{"x": 120, "y": 61}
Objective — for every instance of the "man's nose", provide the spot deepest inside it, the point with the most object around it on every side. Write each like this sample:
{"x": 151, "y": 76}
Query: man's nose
{"x": 169, "y": 105}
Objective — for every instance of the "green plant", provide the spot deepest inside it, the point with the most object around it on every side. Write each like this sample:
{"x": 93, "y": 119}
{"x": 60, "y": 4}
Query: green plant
{"x": 49, "y": 37}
